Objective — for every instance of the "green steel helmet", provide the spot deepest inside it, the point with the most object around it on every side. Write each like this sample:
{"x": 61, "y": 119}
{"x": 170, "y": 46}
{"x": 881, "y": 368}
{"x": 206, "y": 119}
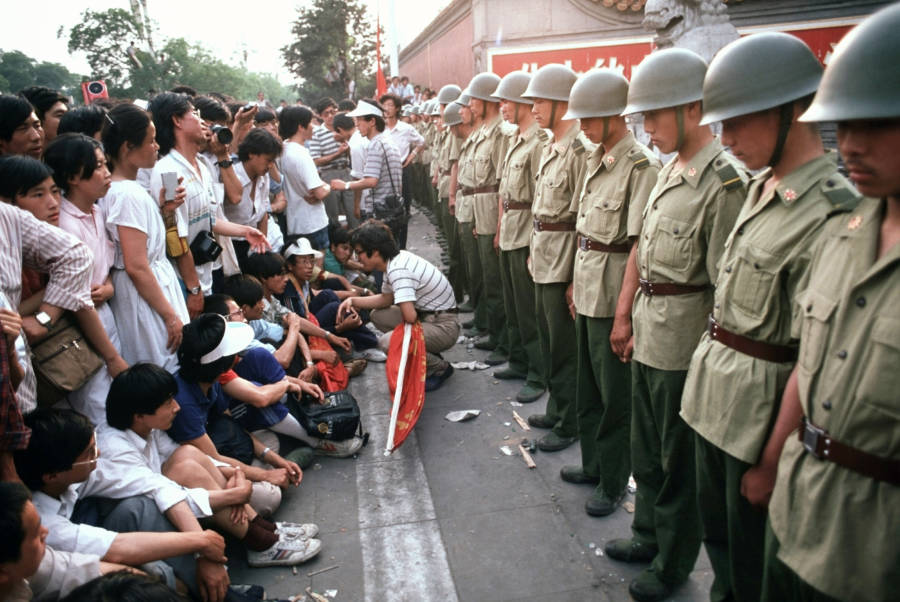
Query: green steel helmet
{"x": 598, "y": 93}
{"x": 551, "y": 82}
{"x": 448, "y": 94}
{"x": 435, "y": 108}
{"x": 451, "y": 114}
{"x": 463, "y": 99}
{"x": 512, "y": 86}
{"x": 482, "y": 86}
{"x": 758, "y": 72}
{"x": 667, "y": 78}
{"x": 425, "y": 108}
{"x": 862, "y": 80}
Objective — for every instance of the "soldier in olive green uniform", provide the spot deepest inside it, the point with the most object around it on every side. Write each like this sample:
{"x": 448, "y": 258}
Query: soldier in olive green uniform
{"x": 833, "y": 515}
{"x": 514, "y": 232}
{"x": 488, "y": 150}
{"x": 552, "y": 248}
{"x": 686, "y": 221}
{"x": 447, "y": 158}
{"x": 620, "y": 174}
{"x": 739, "y": 369}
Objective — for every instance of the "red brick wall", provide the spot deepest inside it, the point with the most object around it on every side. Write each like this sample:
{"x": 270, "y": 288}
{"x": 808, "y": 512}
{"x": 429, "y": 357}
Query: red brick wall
{"x": 444, "y": 60}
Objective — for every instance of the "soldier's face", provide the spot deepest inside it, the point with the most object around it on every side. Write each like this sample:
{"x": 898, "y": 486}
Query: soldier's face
{"x": 541, "y": 110}
{"x": 662, "y": 127}
{"x": 465, "y": 114}
{"x": 751, "y": 138}
{"x": 869, "y": 149}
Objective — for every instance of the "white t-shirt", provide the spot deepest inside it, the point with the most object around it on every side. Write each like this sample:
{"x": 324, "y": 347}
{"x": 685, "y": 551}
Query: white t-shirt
{"x": 412, "y": 278}
{"x": 358, "y": 145}
{"x": 254, "y": 200}
{"x": 405, "y": 137}
{"x": 300, "y": 176}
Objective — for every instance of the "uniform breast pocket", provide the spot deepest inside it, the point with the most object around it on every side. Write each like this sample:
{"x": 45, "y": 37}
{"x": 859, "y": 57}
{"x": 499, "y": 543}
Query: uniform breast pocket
{"x": 674, "y": 244}
{"x": 817, "y": 312}
{"x": 879, "y": 383}
{"x": 518, "y": 180}
{"x": 604, "y": 217}
{"x": 755, "y": 274}
{"x": 483, "y": 168}
{"x": 559, "y": 188}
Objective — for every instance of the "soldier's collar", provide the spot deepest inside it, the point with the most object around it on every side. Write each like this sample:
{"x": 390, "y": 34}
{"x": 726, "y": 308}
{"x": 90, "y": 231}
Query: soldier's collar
{"x": 693, "y": 171}
{"x": 618, "y": 152}
{"x": 563, "y": 144}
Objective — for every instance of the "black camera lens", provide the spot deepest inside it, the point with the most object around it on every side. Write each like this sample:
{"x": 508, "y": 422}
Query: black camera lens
{"x": 95, "y": 88}
{"x": 224, "y": 135}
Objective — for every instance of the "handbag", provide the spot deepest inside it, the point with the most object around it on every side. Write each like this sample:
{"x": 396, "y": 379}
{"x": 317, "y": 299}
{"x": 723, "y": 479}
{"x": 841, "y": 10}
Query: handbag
{"x": 63, "y": 361}
{"x": 204, "y": 248}
{"x": 337, "y": 418}
{"x": 391, "y": 207}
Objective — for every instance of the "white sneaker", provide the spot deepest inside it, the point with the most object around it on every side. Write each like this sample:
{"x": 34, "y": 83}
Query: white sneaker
{"x": 339, "y": 449}
{"x": 374, "y": 355}
{"x": 285, "y": 552}
{"x": 292, "y": 530}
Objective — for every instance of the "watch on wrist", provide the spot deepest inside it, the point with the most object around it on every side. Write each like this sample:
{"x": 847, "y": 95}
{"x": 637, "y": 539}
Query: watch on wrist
{"x": 225, "y": 163}
{"x": 194, "y": 290}
{"x": 43, "y": 318}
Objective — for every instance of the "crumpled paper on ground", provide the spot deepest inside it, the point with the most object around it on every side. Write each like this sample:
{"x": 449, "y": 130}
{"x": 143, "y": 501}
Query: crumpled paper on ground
{"x": 473, "y": 365}
{"x": 462, "y": 415}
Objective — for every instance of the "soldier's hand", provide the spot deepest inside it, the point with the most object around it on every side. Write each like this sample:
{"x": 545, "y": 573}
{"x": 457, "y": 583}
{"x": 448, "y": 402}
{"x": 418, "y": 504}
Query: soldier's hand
{"x": 570, "y": 299}
{"x": 757, "y": 484}
{"x": 620, "y": 336}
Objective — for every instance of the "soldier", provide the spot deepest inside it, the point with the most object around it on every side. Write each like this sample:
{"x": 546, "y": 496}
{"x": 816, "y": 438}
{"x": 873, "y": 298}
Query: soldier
{"x": 621, "y": 172}
{"x": 447, "y": 156}
{"x": 488, "y": 149}
{"x": 833, "y": 516}
{"x": 518, "y": 172}
{"x": 552, "y": 248}
{"x": 686, "y": 220}
{"x": 757, "y": 87}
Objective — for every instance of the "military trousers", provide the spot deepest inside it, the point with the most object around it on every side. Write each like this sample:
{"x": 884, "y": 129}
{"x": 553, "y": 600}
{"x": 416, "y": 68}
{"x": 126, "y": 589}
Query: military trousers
{"x": 469, "y": 251}
{"x": 556, "y": 331}
{"x": 662, "y": 459}
{"x": 733, "y": 529}
{"x": 603, "y": 403}
{"x": 518, "y": 304}
{"x": 780, "y": 582}
{"x": 457, "y": 274}
{"x": 492, "y": 290}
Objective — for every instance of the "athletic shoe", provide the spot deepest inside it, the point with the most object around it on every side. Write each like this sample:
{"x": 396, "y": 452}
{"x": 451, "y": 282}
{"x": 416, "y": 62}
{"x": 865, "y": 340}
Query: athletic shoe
{"x": 437, "y": 379}
{"x": 373, "y": 355}
{"x": 285, "y": 552}
{"x": 292, "y": 530}
{"x": 355, "y": 366}
{"x": 339, "y": 449}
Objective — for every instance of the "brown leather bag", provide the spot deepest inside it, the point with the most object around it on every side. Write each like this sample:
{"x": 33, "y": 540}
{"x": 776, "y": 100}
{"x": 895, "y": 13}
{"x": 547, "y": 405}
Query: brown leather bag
{"x": 63, "y": 361}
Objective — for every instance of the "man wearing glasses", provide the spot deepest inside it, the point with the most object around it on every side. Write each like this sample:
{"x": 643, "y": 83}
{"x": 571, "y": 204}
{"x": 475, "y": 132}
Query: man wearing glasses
{"x": 333, "y": 160}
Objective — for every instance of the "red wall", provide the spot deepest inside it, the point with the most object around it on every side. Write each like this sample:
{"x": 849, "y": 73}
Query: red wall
{"x": 445, "y": 60}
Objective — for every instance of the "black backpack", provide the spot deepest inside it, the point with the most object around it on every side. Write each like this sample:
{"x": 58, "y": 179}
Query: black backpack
{"x": 337, "y": 418}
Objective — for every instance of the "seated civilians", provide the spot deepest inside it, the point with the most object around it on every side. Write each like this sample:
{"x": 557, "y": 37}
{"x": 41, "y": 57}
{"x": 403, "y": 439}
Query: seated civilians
{"x": 83, "y": 120}
{"x": 21, "y": 132}
{"x": 340, "y": 270}
{"x": 124, "y": 586}
{"x": 29, "y": 568}
{"x": 413, "y": 290}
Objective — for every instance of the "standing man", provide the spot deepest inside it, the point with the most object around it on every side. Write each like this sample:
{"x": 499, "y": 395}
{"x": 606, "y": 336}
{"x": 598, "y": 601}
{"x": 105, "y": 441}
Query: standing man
{"x": 518, "y": 171}
{"x": 838, "y": 485}
{"x": 488, "y": 150}
{"x": 410, "y": 143}
{"x": 740, "y": 368}
{"x": 552, "y": 248}
{"x": 447, "y": 161}
{"x": 686, "y": 221}
{"x": 332, "y": 158}
{"x": 621, "y": 172}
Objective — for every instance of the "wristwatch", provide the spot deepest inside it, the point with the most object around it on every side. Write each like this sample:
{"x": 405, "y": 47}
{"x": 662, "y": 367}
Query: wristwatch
{"x": 225, "y": 163}
{"x": 194, "y": 290}
{"x": 43, "y": 318}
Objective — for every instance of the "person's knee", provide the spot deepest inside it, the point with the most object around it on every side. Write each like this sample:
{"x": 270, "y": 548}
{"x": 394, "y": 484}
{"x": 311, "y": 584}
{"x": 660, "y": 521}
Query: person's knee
{"x": 265, "y": 498}
{"x": 136, "y": 513}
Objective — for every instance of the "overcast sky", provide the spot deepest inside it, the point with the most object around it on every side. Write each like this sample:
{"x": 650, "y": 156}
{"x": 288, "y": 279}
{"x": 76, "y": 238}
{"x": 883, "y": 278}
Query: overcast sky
{"x": 226, "y": 28}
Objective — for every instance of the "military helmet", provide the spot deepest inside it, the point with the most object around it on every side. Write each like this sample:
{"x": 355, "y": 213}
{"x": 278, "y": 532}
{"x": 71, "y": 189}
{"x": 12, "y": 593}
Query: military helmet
{"x": 551, "y": 82}
{"x": 598, "y": 93}
{"x": 482, "y": 86}
{"x": 448, "y": 94}
{"x": 758, "y": 72}
{"x": 451, "y": 114}
{"x": 862, "y": 80}
{"x": 463, "y": 99}
{"x": 667, "y": 78}
{"x": 425, "y": 108}
{"x": 405, "y": 111}
{"x": 435, "y": 108}
{"x": 512, "y": 86}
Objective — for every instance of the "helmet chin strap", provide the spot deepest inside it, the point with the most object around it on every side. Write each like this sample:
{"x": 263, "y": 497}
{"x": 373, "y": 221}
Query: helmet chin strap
{"x": 679, "y": 122}
{"x": 785, "y": 119}
{"x": 605, "y": 128}
{"x": 552, "y": 115}
{"x": 516, "y": 113}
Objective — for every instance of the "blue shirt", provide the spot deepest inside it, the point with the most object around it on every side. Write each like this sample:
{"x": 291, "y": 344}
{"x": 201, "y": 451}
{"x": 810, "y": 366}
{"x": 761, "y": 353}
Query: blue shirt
{"x": 261, "y": 368}
{"x": 190, "y": 421}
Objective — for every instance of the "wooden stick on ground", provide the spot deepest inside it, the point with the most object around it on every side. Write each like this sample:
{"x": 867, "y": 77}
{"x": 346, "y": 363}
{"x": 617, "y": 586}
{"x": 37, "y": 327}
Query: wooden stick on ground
{"x": 521, "y": 422}
{"x": 527, "y": 457}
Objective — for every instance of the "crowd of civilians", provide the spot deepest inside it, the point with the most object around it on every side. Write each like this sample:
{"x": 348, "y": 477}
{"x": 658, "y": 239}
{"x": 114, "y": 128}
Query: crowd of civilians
{"x": 176, "y": 440}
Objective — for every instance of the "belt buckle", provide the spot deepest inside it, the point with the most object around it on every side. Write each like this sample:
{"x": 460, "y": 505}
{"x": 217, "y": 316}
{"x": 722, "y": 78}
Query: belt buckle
{"x": 506, "y": 205}
{"x": 583, "y": 243}
{"x": 712, "y": 326}
{"x": 813, "y": 439}
{"x": 646, "y": 287}
{"x": 538, "y": 226}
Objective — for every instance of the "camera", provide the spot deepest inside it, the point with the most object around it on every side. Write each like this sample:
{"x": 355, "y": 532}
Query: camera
{"x": 224, "y": 135}
{"x": 94, "y": 90}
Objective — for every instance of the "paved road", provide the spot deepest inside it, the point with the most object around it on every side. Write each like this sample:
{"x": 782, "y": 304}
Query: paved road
{"x": 448, "y": 516}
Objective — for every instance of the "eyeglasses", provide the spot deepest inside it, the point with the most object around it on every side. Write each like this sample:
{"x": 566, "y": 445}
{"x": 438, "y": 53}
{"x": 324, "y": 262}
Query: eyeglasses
{"x": 235, "y": 315}
{"x": 95, "y": 454}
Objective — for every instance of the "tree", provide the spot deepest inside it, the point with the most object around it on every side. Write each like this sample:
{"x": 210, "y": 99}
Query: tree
{"x": 104, "y": 37}
{"x": 334, "y": 43}
{"x": 18, "y": 71}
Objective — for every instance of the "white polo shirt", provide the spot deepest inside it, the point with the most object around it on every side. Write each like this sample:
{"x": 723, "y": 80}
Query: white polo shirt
{"x": 299, "y": 176}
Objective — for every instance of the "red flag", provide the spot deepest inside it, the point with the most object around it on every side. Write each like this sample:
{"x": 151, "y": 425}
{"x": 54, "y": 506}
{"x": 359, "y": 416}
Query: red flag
{"x": 380, "y": 83}
{"x": 412, "y": 394}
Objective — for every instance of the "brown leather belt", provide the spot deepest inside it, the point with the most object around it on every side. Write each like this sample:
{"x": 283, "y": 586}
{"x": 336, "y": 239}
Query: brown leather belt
{"x": 444, "y": 172}
{"x": 513, "y": 205}
{"x": 669, "y": 288}
{"x": 822, "y": 446}
{"x": 481, "y": 189}
{"x": 586, "y": 244}
{"x": 757, "y": 349}
{"x": 426, "y": 312}
{"x": 540, "y": 226}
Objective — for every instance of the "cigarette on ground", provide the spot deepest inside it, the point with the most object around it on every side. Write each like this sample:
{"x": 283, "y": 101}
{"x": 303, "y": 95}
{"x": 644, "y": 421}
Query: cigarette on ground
{"x": 320, "y": 571}
{"x": 521, "y": 422}
{"x": 527, "y": 457}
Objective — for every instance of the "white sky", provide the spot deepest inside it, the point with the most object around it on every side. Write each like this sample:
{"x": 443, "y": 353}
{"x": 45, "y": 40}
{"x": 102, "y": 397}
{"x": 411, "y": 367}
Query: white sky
{"x": 225, "y": 28}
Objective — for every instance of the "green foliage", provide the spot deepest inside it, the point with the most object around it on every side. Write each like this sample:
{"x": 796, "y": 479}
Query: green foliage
{"x": 18, "y": 71}
{"x": 328, "y": 35}
{"x": 104, "y": 37}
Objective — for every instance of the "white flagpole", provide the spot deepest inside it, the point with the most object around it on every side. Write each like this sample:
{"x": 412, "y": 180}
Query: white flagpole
{"x": 398, "y": 392}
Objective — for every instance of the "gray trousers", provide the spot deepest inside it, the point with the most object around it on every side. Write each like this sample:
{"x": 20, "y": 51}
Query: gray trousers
{"x": 441, "y": 332}
{"x": 339, "y": 202}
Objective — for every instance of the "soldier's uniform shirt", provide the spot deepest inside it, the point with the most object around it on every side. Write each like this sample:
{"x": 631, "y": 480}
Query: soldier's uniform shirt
{"x": 560, "y": 174}
{"x": 428, "y": 133}
{"x": 448, "y": 153}
{"x": 518, "y": 173}
{"x": 612, "y": 201}
{"x": 838, "y": 529}
{"x": 489, "y": 150}
{"x": 686, "y": 221}
{"x": 730, "y": 397}
{"x": 465, "y": 178}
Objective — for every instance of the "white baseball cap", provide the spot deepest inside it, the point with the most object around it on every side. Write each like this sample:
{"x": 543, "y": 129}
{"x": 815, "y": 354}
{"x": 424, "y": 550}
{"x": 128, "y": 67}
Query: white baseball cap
{"x": 301, "y": 247}
{"x": 364, "y": 109}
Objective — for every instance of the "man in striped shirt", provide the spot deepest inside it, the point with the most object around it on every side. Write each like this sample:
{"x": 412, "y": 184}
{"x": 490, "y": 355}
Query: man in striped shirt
{"x": 333, "y": 160}
{"x": 413, "y": 290}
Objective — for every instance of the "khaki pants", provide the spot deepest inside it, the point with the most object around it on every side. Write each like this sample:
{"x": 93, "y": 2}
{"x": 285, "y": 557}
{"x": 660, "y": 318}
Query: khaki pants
{"x": 441, "y": 332}
{"x": 339, "y": 202}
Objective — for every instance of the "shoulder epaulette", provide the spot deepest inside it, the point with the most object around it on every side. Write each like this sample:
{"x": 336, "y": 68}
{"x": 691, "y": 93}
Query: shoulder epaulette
{"x": 577, "y": 146}
{"x": 728, "y": 173}
{"x": 842, "y": 196}
{"x": 639, "y": 159}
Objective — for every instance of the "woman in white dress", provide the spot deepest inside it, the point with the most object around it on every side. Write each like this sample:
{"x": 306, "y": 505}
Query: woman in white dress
{"x": 148, "y": 305}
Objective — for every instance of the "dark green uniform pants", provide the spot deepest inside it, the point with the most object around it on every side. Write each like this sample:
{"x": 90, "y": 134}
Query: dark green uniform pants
{"x": 780, "y": 582}
{"x": 733, "y": 530}
{"x": 492, "y": 291}
{"x": 662, "y": 458}
{"x": 469, "y": 250}
{"x": 556, "y": 330}
{"x": 457, "y": 276}
{"x": 603, "y": 401}
{"x": 518, "y": 302}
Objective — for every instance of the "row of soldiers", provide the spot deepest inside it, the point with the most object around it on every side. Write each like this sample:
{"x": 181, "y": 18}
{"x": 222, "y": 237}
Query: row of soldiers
{"x": 720, "y": 321}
